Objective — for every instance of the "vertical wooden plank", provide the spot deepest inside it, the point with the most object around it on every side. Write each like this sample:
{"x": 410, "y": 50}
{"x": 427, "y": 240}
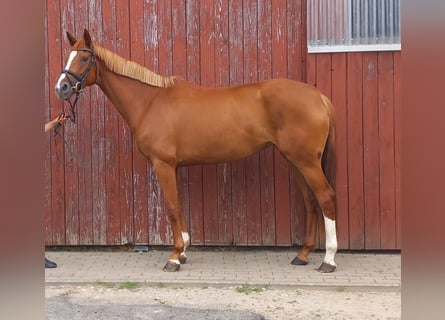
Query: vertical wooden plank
{"x": 264, "y": 40}
{"x": 140, "y": 179}
{"x": 57, "y": 25}
{"x": 71, "y": 146}
{"x": 267, "y": 185}
{"x": 83, "y": 152}
{"x": 193, "y": 75}
{"x": 82, "y": 216}
{"x": 111, "y": 135}
{"x": 279, "y": 69}
{"x": 156, "y": 209}
{"x": 387, "y": 161}
{"x": 311, "y": 69}
{"x": 179, "y": 38}
{"x": 236, "y": 67}
{"x": 179, "y": 48}
{"x": 397, "y": 146}
{"x": 355, "y": 150}
{"x": 98, "y": 165}
{"x": 295, "y": 30}
{"x": 250, "y": 73}
{"x": 224, "y": 170}
{"x": 250, "y": 33}
{"x": 210, "y": 204}
{"x": 207, "y": 69}
{"x": 339, "y": 100}
{"x": 297, "y": 212}
{"x": 165, "y": 45}
{"x": 371, "y": 151}
{"x": 323, "y": 73}
{"x": 124, "y": 133}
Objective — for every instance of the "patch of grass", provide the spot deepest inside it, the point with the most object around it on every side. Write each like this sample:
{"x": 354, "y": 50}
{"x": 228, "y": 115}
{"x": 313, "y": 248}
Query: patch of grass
{"x": 161, "y": 285}
{"x": 129, "y": 285}
{"x": 341, "y": 288}
{"x": 109, "y": 285}
{"x": 247, "y": 289}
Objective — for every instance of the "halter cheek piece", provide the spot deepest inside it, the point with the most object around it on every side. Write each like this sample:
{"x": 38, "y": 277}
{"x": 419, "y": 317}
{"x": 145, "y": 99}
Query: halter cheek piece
{"x": 77, "y": 86}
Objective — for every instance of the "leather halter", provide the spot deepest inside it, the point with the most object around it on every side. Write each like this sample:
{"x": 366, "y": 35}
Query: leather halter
{"x": 77, "y": 86}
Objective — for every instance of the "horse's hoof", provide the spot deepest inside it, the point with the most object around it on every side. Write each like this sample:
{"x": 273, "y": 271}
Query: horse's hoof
{"x": 171, "y": 266}
{"x": 326, "y": 268}
{"x": 298, "y": 262}
{"x": 182, "y": 258}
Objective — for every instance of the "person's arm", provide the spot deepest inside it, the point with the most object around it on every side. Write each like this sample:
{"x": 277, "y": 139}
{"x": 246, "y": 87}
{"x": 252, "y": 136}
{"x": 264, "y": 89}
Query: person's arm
{"x": 53, "y": 123}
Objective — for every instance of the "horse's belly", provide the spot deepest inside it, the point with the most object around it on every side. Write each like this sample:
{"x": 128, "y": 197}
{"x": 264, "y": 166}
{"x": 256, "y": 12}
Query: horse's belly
{"x": 217, "y": 151}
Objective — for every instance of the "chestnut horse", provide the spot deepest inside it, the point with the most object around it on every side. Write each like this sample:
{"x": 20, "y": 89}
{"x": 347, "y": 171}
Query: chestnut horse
{"x": 176, "y": 123}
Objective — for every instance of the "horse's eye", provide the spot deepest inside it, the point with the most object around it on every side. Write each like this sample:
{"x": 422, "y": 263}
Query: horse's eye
{"x": 84, "y": 59}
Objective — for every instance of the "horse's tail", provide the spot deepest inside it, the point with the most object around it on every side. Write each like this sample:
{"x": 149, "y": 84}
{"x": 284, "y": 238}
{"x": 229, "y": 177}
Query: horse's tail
{"x": 329, "y": 158}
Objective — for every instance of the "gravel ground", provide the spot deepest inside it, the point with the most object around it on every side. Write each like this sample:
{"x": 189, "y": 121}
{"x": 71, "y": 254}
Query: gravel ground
{"x": 134, "y": 301}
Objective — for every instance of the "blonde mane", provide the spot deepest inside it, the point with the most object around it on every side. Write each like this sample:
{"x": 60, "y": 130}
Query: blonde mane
{"x": 132, "y": 69}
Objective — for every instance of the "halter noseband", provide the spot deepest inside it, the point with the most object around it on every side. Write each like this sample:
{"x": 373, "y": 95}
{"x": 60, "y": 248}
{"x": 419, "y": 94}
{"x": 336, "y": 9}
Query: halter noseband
{"x": 77, "y": 86}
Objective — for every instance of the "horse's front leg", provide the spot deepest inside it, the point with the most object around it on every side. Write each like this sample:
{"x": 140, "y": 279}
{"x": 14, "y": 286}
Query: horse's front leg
{"x": 166, "y": 174}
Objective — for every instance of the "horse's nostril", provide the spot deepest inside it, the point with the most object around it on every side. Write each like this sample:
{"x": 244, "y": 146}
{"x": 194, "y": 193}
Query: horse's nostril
{"x": 64, "y": 87}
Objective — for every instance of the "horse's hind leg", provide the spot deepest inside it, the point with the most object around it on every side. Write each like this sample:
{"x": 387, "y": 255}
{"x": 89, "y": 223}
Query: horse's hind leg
{"x": 312, "y": 216}
{"x": 184, "y": 233}
{"x": 325, "y": 196}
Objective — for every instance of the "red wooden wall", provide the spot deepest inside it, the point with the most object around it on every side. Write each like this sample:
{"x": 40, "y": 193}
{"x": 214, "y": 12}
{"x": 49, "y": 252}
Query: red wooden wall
{"x": 100, "y": 191}
{"x": 365, "y": 89}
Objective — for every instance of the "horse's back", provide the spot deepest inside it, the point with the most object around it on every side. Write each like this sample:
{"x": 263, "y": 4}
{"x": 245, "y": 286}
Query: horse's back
{"x": 292, "y": 92}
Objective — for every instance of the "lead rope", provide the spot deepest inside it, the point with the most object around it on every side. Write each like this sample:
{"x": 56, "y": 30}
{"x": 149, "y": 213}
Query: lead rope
{"x": 71, "y": 117}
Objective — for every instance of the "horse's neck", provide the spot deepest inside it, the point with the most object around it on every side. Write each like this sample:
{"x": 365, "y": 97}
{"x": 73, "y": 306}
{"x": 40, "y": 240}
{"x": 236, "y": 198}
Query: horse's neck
{"x": 121, "y": 91}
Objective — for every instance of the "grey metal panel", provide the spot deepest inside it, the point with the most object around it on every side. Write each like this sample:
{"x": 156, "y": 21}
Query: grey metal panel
{"x": 356, "y": 22}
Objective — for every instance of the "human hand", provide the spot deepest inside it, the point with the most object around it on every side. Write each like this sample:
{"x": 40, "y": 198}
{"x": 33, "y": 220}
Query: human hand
{"x": 60, "y": 120}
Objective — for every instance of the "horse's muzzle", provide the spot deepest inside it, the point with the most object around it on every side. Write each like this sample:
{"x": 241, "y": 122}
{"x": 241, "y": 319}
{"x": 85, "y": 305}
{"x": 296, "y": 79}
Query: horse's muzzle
{"x": 63, "y": 90}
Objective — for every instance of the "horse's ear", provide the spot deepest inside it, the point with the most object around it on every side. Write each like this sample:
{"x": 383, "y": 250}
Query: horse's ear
{"x": 71, "y": 39}
{"x": 87, "y": 38}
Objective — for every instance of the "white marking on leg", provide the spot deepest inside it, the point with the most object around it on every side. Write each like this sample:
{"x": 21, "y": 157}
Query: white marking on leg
{"x": 176, "y": 261}
{"x": 67, "y": 67}
{"x": 331, "y": 241}
{"x": 186, "y": 239}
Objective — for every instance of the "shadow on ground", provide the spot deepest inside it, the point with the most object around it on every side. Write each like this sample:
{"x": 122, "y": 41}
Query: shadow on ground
{"x": 62, "y": 308}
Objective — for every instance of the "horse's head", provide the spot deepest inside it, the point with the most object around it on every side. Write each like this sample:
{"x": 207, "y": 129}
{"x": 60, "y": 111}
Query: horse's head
{"x": 80, "y": 70}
